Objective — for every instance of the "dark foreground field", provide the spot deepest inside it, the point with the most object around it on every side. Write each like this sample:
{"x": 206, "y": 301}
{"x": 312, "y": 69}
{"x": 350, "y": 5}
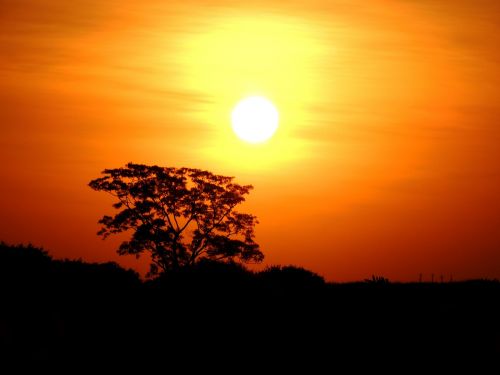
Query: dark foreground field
{"x": 220, "y": 316}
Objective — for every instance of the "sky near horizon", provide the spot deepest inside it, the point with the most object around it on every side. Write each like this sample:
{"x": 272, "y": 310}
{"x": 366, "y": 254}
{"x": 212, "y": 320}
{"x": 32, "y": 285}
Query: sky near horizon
{"x": 387, "y": 156}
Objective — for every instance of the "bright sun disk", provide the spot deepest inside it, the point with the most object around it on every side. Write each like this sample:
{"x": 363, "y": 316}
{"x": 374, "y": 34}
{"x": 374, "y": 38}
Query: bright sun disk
{"x": 255, "y": 119}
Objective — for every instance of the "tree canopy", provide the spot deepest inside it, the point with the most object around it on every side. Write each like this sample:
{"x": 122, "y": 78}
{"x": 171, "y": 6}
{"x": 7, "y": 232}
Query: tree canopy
{"x": 178, "y": 215}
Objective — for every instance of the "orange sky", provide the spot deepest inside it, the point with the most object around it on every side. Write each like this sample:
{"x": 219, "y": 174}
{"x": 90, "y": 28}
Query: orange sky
{"x": 386, "y": 161}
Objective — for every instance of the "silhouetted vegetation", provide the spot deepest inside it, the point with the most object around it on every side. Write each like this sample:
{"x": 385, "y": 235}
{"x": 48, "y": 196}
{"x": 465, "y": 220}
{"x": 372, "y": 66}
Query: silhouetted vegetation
{"x": 216, "y": 313}
{"x": 291, "y": 277}
{"x": 377, "y": 280}
{"x": 178, "y": 215}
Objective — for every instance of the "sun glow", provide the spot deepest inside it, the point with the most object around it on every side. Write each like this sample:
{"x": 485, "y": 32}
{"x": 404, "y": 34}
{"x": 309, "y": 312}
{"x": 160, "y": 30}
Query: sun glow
{"x": 255, "y": 119}
{"x": 235, "y": 56}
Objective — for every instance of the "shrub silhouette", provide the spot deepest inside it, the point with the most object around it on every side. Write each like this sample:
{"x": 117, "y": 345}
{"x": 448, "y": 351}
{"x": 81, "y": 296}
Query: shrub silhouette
{"x": 178, "y": 215}
{"x": 291, "y": 276}
{"x": 27, "y": 256}
{"x": 52, "y": 306}
{"x": 377, "y": 280}
{"x": 22, "y": 264}
{"x": 30, "y": 264}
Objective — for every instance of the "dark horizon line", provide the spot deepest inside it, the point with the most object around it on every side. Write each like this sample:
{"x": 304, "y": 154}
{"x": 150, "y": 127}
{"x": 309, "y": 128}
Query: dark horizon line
{"x": 373, "y": 278}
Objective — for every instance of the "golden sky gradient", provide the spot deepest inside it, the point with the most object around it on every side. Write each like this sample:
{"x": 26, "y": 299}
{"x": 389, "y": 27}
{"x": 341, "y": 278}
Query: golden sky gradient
{"x": 386, "y": 161}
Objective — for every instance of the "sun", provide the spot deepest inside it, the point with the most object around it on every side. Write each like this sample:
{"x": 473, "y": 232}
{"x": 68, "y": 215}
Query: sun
{"x": 255, "y": 119}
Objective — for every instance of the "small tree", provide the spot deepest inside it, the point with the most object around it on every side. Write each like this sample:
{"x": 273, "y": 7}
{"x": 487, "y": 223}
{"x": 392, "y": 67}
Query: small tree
{"x": 178, "y": 215}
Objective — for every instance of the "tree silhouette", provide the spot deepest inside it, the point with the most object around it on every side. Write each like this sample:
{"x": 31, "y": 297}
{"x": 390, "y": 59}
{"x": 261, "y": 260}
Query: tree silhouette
{"x": 178, "y": 215}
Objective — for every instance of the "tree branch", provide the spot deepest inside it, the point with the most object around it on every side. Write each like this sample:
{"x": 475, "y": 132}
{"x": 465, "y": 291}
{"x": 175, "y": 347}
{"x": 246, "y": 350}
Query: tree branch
{"x": 197, "y": 251}
{"x": 176, "y": 223}
{"x": 162, "y": 207}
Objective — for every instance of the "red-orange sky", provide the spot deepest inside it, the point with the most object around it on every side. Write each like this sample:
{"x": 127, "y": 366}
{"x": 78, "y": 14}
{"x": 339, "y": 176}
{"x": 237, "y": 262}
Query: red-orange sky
{"x": 386, "y": 161}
